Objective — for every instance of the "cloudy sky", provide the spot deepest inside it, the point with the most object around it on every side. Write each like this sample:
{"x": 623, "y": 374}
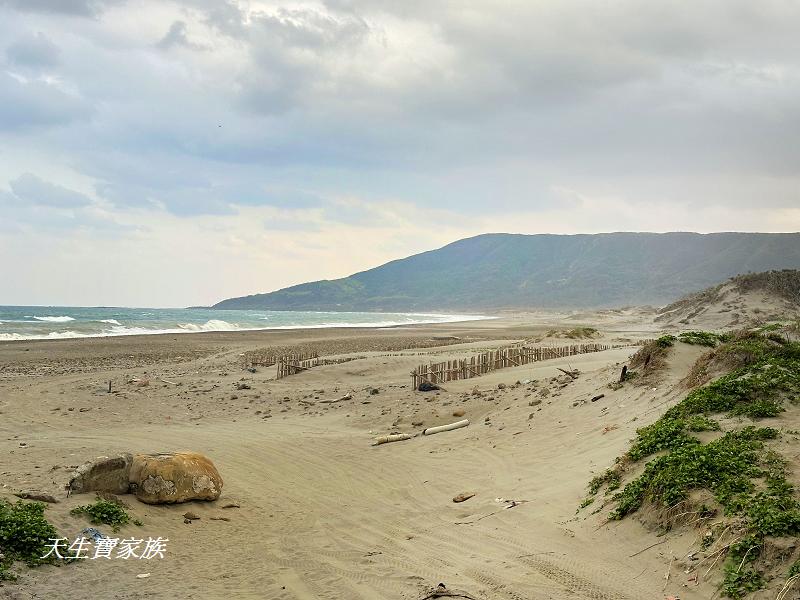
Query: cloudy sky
{"x": 176, "y": 152}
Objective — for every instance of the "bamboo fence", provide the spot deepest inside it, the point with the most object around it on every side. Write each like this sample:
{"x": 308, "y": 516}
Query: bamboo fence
{"x": 497, "y": 359}
{"x": 265, "y": 358}
{"x": 292, "y": 364}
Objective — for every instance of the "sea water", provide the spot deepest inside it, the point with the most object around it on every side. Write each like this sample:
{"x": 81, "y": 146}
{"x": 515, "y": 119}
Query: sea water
{"x": 52, "y": 322}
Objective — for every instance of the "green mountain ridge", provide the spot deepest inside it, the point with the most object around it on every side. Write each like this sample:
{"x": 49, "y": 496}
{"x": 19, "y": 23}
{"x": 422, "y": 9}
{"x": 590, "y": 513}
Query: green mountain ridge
{"x": 514, "y": 271}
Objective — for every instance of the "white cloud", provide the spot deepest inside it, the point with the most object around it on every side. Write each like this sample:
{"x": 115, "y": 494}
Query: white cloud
{"x": 285, "y": 131}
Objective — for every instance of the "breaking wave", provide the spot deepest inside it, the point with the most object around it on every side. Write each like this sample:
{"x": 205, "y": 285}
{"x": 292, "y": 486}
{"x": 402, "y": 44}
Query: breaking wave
{"x": 92, "y": 323}
{"x": 55, "y": 319}
{"x": 212, "y": 325}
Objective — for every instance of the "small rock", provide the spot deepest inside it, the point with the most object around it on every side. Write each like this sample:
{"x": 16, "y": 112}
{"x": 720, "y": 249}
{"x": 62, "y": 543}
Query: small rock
{"x": 463, "y": 497}
{"x": 191, "y": 516}
{"x": 458, "y": 413}
{"x": 427, "y": 386}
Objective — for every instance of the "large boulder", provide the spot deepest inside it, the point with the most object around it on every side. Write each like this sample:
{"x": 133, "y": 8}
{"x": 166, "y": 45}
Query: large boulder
{"x": 103, "y": 474}
{"x": 175, "y": 477}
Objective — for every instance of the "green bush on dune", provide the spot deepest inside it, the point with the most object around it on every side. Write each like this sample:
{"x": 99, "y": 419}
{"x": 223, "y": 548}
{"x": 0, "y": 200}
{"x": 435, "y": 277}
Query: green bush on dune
{"x": 105, "y": 512}
{"x": 746, "y": 477}
{"x": 25, "y": 535}
{"x": 703, "y": 338}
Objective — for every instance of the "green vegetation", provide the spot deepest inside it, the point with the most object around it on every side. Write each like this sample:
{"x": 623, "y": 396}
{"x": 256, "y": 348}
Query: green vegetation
{"x": 24, "y": 535}
{"x": 105, "y": 512}
{"x": 740, "y": 577}
{"x": 611, "y": 478}
{"x": 703, "y": 338}
{"x": 666, "y": 341}
{"x": 795, "y": 570}
{"x": 724, "y": 466}
{"x": 580, "y": 333}
{"x": 746, "y": 477}
{"x": 701, "y": 423}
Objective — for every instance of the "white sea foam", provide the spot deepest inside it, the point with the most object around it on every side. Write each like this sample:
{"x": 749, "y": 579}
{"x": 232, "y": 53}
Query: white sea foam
{"x": 55, "y": 319}
{"x": 59, "y": 335}
{"x": 212, "y": 325}
{"x": 11, "y": 337}
{"x": 114, "y": 328}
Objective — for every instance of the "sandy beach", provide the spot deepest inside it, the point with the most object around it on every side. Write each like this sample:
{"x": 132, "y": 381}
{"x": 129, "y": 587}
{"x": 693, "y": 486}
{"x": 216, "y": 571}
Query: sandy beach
{"x": 322, "y": 513}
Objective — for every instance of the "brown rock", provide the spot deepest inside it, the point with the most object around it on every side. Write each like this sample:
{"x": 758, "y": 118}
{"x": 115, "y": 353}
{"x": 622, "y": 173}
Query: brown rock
{"x": 191, "y": 516}
{"x": 458, "y": 413}
{"x": 104, "y": 474}
{"x": 463, "y": 497}
{"x": 172, "y": 478}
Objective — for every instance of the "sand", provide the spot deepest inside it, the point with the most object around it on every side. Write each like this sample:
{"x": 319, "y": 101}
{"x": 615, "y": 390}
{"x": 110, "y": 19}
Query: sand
{"x": 322, "y": 513}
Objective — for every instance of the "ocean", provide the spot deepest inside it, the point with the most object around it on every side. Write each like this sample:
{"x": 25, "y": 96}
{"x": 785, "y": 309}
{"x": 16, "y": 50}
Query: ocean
{"x": 54, "y": 322}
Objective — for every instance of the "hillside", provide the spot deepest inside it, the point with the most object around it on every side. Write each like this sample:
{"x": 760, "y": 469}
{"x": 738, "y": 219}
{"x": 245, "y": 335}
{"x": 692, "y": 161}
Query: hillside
{"x": 740, "y": 301}
{"x": 495, "y": 271}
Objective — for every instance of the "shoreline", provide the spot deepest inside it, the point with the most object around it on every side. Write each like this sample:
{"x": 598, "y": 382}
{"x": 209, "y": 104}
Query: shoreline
{"x": 194, "y": 328}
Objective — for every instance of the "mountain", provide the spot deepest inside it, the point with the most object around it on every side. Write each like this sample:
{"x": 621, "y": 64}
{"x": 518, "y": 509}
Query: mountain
{"x": 500, "y": 270}
{"x": 740, "y": 301}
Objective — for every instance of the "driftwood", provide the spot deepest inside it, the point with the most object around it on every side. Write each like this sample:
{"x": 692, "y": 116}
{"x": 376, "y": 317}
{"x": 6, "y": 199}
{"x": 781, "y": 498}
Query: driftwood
{"x": 393, "y": 437}
{"x": 574, "y": 374}
{"x": 445, "y": 593}
{"x": 449, "y": 427}
{"x": 345, "y": 397}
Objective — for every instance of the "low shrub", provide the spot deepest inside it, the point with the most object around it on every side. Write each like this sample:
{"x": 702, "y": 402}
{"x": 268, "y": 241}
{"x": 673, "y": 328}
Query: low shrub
{"x": 703, "y": 338}
{"x": 24, "y": 535}
{"x": 105, "y": 512}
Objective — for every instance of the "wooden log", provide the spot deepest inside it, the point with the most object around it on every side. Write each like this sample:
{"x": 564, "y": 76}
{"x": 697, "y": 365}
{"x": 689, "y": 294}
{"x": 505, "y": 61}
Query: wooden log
{"x": 393, "y": 437}
{"x": 572, "y": 374}
{"x": 345, "y": 397}
{"x": 449, "y": 427}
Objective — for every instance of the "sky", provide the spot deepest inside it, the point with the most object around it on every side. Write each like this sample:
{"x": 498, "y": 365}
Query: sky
{"x": 179, "y": 152}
